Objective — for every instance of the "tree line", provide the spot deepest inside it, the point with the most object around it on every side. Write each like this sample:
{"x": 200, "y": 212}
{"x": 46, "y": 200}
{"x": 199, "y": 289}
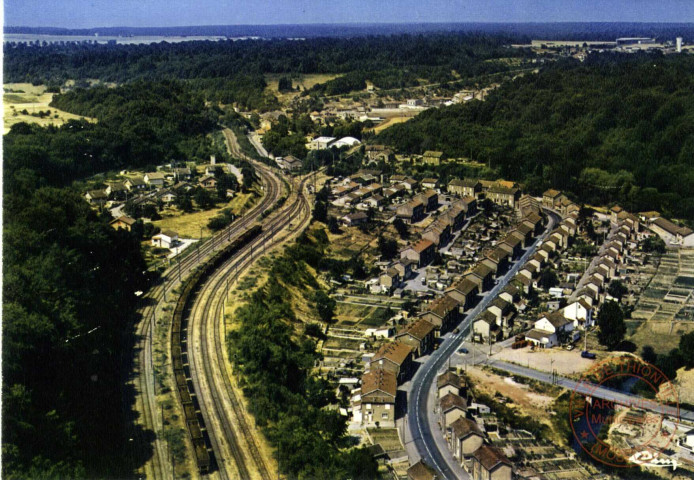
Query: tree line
{"x": 616, "y": 128}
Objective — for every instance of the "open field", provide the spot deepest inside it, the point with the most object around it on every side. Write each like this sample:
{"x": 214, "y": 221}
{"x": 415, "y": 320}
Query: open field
{"x": 25, "y": 96}
{"x": 564, "y": 361}
{"x": 389, "y": 122}
{"x": 304, "y": 81}
{"x": 189, "y": 225}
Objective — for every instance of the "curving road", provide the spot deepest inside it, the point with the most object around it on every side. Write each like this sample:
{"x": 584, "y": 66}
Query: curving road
{"x": 423, "y": 428}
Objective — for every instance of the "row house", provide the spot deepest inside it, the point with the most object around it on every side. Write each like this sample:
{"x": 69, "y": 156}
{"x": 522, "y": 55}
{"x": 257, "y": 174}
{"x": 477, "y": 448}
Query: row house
{"x": 489, "y": 463}
{"x": 486, "y": 326}
{"x": 465, "y": 292}
{"x": 550, "y": 199}
{"x": 376, "y": 404}
{"x": 469, "y": 204}
{"x": 503, "y": 196}
{"x": 464, "y": 438}
{"x": 443, "y": 313}
{"x": 449, "y": 382}
{"x": 430, "y": 200}
{"x": 451, "y": 408}
{"x": 439, "y": 232}
{"x": 411, "y": 212}
{"x": 466, "y": 187}
{"x": 512, "y": 245}
{"x": 534, "y": 220}
{"x": 430, "y": 183}
{"x": 499, "y": 260}
{"x": 420, "y": 335}
{"x": 483, "y": 276}
{"x": 422, "y": 252}
{"x": 396, "y": 357}
{"x": 454, "y": 217}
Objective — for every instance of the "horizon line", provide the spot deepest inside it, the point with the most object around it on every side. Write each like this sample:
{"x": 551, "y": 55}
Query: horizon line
{"x": 360, "y": 24}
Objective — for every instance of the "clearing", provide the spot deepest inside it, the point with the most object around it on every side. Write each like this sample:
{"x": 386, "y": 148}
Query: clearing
{"x": 19, "y": 97}
{"x": 304, "y": 81}
{"x": 565, "y": 362}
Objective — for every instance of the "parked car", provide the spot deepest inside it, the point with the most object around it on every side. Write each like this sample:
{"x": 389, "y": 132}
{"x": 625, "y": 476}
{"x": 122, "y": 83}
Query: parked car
{"x": 463, "y": 350}
{"x": 587, "y": 354}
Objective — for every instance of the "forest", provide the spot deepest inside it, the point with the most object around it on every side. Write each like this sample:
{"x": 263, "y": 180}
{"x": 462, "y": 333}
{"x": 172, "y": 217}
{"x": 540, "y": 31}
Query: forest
{"x": 614, "y": 129}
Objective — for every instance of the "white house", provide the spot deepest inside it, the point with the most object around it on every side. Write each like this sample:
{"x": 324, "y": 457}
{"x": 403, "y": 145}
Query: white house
{"x": 548, "y": 329}
{"x": 165, "y": 239}
{"x": 155, "y": 179}
{"x": 345, "y": 142}
{"x": 580, "y": 312}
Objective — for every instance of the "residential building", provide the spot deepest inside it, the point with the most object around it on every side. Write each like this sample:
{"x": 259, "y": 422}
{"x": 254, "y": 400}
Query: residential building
{"x": 208, "y": 182}
{"x": 96, "y": 197}
{"x": 430, "y": 183}
{"x": 165, "y": 239}
{"x": 422, "y": 252}
{"x": 550, "y": 199}
{"x": 116, "y": 191}
{"x": 470, "y": 205}
{"x": 673, "y": 234}
{"x": 485, "y": 325}
{"x": 420, "y": 335}
{"x": 451, "y": 408}
{"x": 489, "y": 463}
{"x": 411, "y": 212}
{"x": 483, "y": 276}
{"x": 443, "y": 313}
{"x": 155, "y": 179}
{"x": 503, "y": 195}
{"x": 320, "y": 143}
{"x": 377, "y": 404}
{"x": 465, "y": 188}
{"x": 465, "y": 292}
{"x": 124, "y": 222}
{"x": 439, "y": 233}
{"x": 580, "y": 312}
{"x": 550, "y": 330}
{"x": 421, "y": 471}
{"x": 448, "y": 382}
{"x": 512, "y": 245}
{"x": 390, "y": 279}
{"x": 395, "y": 357}
{"x": 135, "y": 183}
{"x": 354, "y": 219}
{"x": 290, "y": 162}
{"x": 430, "y": 200}
{"x": 464, "y": 438}
{"x": 432, "y": 157}
{"x": 454, "y": 217}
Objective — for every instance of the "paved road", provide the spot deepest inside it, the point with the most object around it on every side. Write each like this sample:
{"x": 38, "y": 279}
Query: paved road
{"x": 423, "y": 429}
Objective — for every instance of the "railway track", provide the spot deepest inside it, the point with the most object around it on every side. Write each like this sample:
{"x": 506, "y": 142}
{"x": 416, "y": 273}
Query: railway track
{"x": 145, "y": 412}
{"x": 233, "y": 441}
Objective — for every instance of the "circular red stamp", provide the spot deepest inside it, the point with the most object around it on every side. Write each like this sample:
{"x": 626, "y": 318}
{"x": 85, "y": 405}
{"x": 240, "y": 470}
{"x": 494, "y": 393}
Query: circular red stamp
{"x": 624, "y": 429}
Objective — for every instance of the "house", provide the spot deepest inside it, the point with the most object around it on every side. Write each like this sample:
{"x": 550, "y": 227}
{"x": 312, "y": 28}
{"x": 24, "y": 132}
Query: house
{"x": 354, "y": 219}
{"x": 550, "y": 198}
{"x": 155, "y": 179}
{"x": 550, "y": 330}
{"x": 124, "y": 222}
{"x": 513, "y": 245}
{"x": 166, "y": 196}
{"x": 411, "y": 212}
{"x": 443, "y": 313}
{"x": 523, "y": 283}
{"x": 377, "y": 152}
{"x": 390, "y": 279}
{"x": 378, "y": 391}
{"x": 208, "y": 182}
{"x": 614, "y": 212}
{"x": 320, "y": 143}
{"x": 498, "y": 260}
{"x": 534, "y": 220}
{"x": 448, "y": 382}
{"x": 116, "y": 191}
{"x": 422, "y": 252}
{"x": 430, "y": 183}
{"x": 395, "y": 357}
{"x": 135, "y": 183}
{"x": 580, "y": 312}
{"x": 375, "y": 201}
{"x": 454, "y": 217}
{"x": 290, "y": 163}
{"x": 489, "y": 463}
{"x": 404, "y": 268}
{"x": 410, "y": 183}
{"x": 465, "y": 188}
{"x": 430, "y": 200}
{"x": 528, "y": 205}
{"x": 526, "y": 231}
{"x": 345, "y": 142}
{"x": 96, "y": 197}
{"x": 165, "y": 239}
{"x": 486, "y": 326}
{"x": 510, "y": 293}
{"x": 182, "y": 174}
{"x": 518, "y": 236}
{"x": 502, "y": 310}
{"x": 464, "y": 437}
{"x": 439, "y": 233}
{"x": 421, "y": 471}
{"x": 432, "y": 157}
{"x": 465, "y": 292}
{"x": 673, "y": 234}
{"x": 470, "y": 205}
{"x": 420, "y": 335}
{"x": 503, "y": 195}
{"x": 451, "y": 408}
{"x": 483, "y": 276}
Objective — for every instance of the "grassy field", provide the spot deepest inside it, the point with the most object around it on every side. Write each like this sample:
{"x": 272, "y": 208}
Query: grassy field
{"x": 25, "y": 96}
{"x": 389, "y": 122}
{"x": 304, "y": 81}
{"x": 189, "y": 225}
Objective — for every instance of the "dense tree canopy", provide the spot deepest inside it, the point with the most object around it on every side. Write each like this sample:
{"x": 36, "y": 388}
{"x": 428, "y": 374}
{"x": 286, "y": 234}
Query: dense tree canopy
{"x": 611, "y": 129}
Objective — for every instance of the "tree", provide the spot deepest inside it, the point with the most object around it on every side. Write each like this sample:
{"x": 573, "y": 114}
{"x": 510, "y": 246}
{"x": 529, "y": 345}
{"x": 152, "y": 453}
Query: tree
{"x": 654, "y": 244}
{"x": 401, "y": 227}
{"x": 203, "y": 199}
{"x": 183, "y": 202}
{"x": 548, "y": 279}
{"x": 387, "y": 247}
{"x": 611, "y": 323}
{"x": 325, "y": 306}
{"x": 648, "y": 354}
{"x": 686, "y": 348}
{"x": 617, "y": 289}
{"x": 284, "y": 84}
{"x": 333, "y": 225}
{"x": 320, "y": 211}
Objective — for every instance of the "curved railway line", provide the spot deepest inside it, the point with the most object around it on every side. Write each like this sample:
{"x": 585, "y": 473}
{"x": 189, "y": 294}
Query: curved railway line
{"x": 234, "y": 445}
{"x": 142, "y": 364}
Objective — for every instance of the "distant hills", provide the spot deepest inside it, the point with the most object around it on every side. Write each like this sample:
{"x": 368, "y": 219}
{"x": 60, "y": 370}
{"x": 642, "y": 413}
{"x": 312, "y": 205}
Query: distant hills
{"x": 521, "y": 31}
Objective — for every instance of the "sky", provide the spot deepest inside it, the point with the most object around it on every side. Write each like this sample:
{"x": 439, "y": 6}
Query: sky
{"x": 167, "y": 13}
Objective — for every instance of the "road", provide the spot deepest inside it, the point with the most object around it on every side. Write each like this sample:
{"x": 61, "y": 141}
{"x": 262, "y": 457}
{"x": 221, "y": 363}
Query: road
{"x": 422, "y": 426}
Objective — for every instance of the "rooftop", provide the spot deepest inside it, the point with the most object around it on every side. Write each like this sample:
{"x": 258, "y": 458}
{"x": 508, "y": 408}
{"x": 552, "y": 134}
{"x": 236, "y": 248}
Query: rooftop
{"x": 490, "y": 457}
{"x": 379, "y": 379}
{"x": 396, "y": 352}
{"x": 419, "y": 329}
{"x": 451, "y": 400}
